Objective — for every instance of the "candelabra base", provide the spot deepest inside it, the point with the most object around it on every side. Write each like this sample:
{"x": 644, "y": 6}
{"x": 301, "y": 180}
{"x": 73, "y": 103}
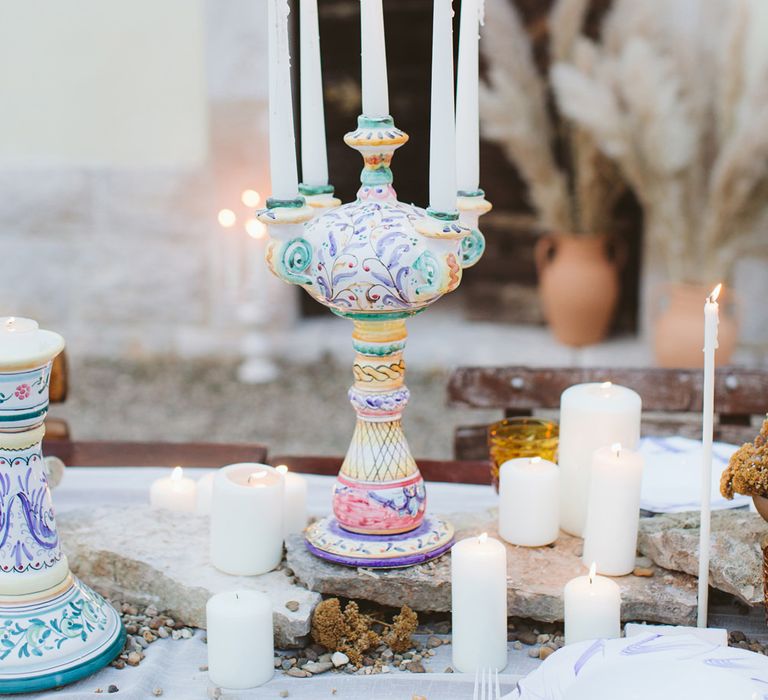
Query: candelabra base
{"x": 328, "y": 540}
{"x": 56, "y": 637}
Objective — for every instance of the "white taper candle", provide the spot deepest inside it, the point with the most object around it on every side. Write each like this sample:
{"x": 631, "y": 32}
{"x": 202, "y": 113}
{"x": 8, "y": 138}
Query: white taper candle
{"x": 467, "y": 105}
{"x": 314, "y": 158}
{"x": 282, "y": 142}
{"x": 711, "y": 320}
{"x": 374, "y": 59}
{"x": 442, "y": 133}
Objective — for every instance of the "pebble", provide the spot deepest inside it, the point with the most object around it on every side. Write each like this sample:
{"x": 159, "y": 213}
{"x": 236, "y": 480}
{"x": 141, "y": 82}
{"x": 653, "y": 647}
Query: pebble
{"x": 544, "y": 652}
{"x": 157, "y": 692}
{"x": 134, "y": 658}
{"x": 340, "y": 659}
{"x": 163, "y": 632}
{"x": 112, "y": 688}
{"x": 416, "y": 667}
{"x": 292, "y": 605}
{"x": 203, "y": 668}
{"x": 298, "y": 673}
{"x": 214, "y": 692}
{"x": 448, "y": 669}
{"x": 527, "y": 637}
{"x": 542, "y": 639}
{"x": 283, "y": 693}
{"x": 315, "y": 667}
{"x": 517, "y": 646}
{"x": 533, "y": 652}
{"x": 311, "y": 654}
{"x": 151, "y": 611}
{"x": 288, "y": 664}
{"x": 643, "y": 571}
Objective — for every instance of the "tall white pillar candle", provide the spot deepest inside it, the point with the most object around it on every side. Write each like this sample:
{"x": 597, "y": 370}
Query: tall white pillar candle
{"x": 314, "y": 158}
{"x": 282, "y": 142}
{"x": 529, "y": 501}
{"x": 711, "y": 321}
{"x": 479, "y": 604}
{"x": 591, "y": 416}
{"x": 240, "y": 639}
{"x": 442, "y": 130}
{"x": 374, "y": 59}
{"x": 295, "y": 508}
{"x": 592, "y": 608}
{"x": 610, "y": 537}
{"x": 174, "y": 492}
{"x": 467, "y": 104}
{"x": 247, "y": 519}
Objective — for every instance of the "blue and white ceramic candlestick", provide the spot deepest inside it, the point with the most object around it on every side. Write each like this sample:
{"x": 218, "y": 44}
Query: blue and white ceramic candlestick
{"x": 53, "y": 628}
{"x": 377, "y": 262}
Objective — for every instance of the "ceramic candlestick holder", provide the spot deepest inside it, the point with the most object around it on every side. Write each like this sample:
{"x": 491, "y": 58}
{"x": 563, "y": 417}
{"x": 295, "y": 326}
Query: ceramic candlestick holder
{"x": 53, "y": 628}
{"x": 377, "y": 262}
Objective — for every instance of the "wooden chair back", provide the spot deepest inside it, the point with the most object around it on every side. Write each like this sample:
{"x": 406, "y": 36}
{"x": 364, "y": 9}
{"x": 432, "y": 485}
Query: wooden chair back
{"x": 671, "y": 398}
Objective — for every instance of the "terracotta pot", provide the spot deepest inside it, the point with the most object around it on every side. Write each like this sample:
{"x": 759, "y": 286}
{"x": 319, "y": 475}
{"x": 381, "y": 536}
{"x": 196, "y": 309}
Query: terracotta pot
{"x": 679, "y": 326}
{"x": 761, "y": 506}
{"x": 579, "y": 285}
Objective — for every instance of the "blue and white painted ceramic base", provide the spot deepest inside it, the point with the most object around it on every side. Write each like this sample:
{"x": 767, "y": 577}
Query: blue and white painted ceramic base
{"x": 57, "y": 637}
{"x": 328, "y": 540}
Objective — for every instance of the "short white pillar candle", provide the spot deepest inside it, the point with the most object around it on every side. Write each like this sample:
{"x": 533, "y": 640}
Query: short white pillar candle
{"x": 295, "y": 513}
{"x": 174, "y": 492}
{"x": 205, "y": 494}
{"x": 247, "y": 519}
{"x": 592, "y": 608}
{"x": 240, "y": 639}
{"x": 529, "y": 501}
{"x": 591, "y": 416}
{"x": 479, "y": 604}
{"x": 610, "y": 537}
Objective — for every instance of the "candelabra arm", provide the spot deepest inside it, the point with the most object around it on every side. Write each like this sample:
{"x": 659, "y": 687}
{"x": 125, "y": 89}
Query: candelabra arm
{"x": 471, "y": 206}
{"x": 319, "y": 197}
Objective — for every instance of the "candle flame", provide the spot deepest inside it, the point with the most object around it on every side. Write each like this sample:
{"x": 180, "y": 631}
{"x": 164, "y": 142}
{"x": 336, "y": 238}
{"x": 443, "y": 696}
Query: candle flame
{"x": 606, "y": 385}
{"x": 592, "y": 571}
{"x": 250, "y": 198}
{"x": 482, "y": 538}
{"x": 177, "y": 474}
{"x": 616, "y": 447}
{"x": 282, "y": 468}
{"x": 715, "y": 293}
{"x": 227, "y": 218}
{"x": 535, "y": 460}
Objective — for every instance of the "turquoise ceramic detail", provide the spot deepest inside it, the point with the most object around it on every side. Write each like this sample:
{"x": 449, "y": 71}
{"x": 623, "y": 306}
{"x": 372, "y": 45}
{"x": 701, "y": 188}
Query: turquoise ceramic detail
{"x": 295, "y": 258}
{"x": 472, "y": 248}
{"x": 24, "y": 397}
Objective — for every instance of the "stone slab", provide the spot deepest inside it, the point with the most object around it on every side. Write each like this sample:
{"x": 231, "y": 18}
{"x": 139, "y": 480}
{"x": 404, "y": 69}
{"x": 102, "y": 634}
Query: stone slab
{"x": 535, "y": 580}
{"x": 735, "y": 563}
{"x": 161, "y": 558}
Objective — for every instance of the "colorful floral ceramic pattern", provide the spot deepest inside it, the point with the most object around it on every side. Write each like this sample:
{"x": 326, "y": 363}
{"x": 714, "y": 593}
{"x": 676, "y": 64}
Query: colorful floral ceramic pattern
{"x": 24, "y": 397}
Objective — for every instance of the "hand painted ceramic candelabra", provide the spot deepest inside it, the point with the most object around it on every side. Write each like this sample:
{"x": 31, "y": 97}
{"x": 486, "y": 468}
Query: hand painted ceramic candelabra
{"x": 53, "y": 628}
{"x": 377, "y": 262}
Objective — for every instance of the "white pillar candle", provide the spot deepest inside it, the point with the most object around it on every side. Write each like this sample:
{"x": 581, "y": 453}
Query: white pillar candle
{"x": 711, "y": 321}
{"x": 610, "y": 536}
{"x": 314, "y": 158}
{"x": 20, "y": 338}
{"x": 374, "y": 59}
{"x": 174, "y": 492}
{"x": 467, "y": 105}
{"x": 529, "y": 501}
{"x": 479, "y": 604}
{"x": 240, "y": 639}
{"x": 205, "y": 494}
{"x": 247, "y": 519}
{"x": 591, "y": 416}
{"x": 295, "y": 508}
{"x": 592, "y": 608}
{"x": 442, "y": 131}
{"x": 282, "y": 142}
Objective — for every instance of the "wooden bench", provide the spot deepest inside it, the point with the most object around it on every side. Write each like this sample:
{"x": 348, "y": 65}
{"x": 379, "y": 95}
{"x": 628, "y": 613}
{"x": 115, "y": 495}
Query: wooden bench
{"x": 671, "y": 399}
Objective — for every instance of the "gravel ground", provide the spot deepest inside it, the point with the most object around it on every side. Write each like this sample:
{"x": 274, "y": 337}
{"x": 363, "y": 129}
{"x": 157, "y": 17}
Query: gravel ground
{"x": 306, "y": 411}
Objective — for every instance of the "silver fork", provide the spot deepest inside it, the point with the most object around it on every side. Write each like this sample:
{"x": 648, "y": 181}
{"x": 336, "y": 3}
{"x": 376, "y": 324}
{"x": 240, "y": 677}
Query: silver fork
{"x": 487, "y": 685}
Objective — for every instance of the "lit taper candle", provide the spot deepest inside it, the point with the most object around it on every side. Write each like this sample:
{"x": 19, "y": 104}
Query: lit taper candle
{"x": 314, "y": 158}
{"x": 374, "y": 59}
{"x": 467, "y": 109}
{"x": 282, "y": 143}
{"x": 711, "y": 321}
{"x": 442, "y": 134}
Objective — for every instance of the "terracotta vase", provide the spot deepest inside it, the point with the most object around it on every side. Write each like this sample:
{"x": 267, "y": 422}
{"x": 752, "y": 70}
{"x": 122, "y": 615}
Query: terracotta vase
{"x": 579, "y": 285}
{"x": 761, "y": 506}
{"x": 679, "y": 326}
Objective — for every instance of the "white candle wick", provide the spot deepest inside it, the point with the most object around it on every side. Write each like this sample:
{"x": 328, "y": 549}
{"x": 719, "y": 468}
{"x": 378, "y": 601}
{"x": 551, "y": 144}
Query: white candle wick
{"x": 616, "y": 447}
{"x": 254, "y": 477}
{"x": 606, "y": 385}
{"x": 592, "y": 572}
{"x": 10, "y": 323}
{"x": 482, "y": 538}
{"x": 282, "y": 468}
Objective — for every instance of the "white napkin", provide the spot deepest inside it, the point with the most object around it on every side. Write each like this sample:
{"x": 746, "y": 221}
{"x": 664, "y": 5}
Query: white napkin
{"x": 652, "y": 666}
{"x": 672, "y": 475}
